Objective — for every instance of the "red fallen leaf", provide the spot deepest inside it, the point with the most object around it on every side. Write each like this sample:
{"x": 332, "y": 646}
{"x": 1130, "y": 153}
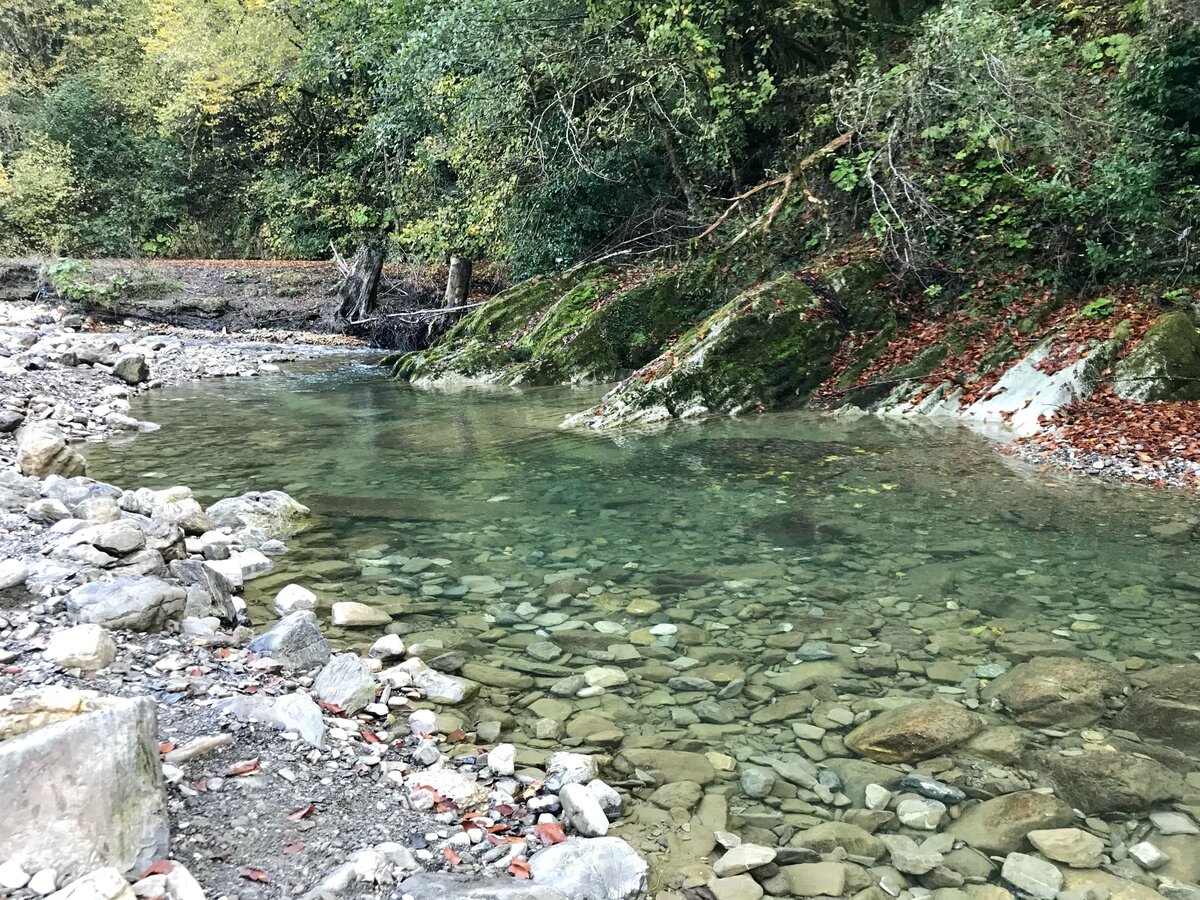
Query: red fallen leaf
{"x": 162, "y": 867}
{"x": 302, "y": 812}
{"x": 166, "y": 747}
{"x": 550, "y": 833}
{"x": 195, "y": 671}
{"x": 498, "y": 828}
{"x": 504, "y": 809}
{"x": 519, "y": 869}
{"x": 250, "y": 689}
{"x": 201, "y": 785}
{"x": 370, "y": 737}
{"x": 251, "y": 874}
{"x": 331, "y": 708}
{"x": 293, "y": 848}
{"x": 457, "y": 736}
{"x": 245, "y": 767}
{"x": 451, "y": 857}
{"x": 13, "y": 670}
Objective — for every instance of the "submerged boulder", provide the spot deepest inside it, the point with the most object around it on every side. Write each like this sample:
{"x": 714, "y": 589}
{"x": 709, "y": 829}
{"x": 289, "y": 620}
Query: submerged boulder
{"x": 1001, "y": 825}
{"x": 913, "y": 732}
{"x": 1101, "y": 781}
{"x": 1057, "y": 690}
{"x": 1165, "y": 365}
{"x": 1166, "y": 707}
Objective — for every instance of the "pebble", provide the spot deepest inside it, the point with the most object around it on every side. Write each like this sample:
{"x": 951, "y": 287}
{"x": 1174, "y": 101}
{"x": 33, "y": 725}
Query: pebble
{"x": 44, "y": 882}
{"x": 1148, "y": 856}
{"x": 920, "y": 812}
{"x": 12, "y": 876}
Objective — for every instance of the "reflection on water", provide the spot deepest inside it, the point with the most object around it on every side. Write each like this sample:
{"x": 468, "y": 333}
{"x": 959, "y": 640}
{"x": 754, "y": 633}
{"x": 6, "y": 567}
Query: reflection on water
{"x": 750, "y": 537}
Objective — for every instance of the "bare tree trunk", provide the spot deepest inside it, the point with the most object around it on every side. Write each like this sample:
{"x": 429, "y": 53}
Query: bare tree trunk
{"x": 458, "y": 286}
{"x": 358, "y": 290}
{"x": 458, "y": 282}
{"x": 680, "y": 170}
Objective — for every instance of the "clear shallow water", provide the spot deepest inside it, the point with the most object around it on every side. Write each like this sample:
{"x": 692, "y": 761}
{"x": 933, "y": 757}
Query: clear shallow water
{"x": 918, "y": 545}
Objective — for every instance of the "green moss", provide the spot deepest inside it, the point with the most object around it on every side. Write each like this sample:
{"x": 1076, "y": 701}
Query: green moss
{"x": 584, "y": 326}
{"x": 1165, "y": 365}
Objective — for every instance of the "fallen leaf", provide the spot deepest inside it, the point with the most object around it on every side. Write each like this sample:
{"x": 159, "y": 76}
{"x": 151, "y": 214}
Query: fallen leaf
{"x": 166, "y": 747}
{"x": 370, "y": 737}
{"x": 245, "y": 767}
{"x": 451, "y": 857}
{"x": 519, "y": 869}
{"x": 254, "y": 875}
{"x": 331, "y": 708}
{"x": 162, "y": 867}
{"x": 293, "y": 848}
{"x": 550, "y": 833}
{"x": 302, "y": 812}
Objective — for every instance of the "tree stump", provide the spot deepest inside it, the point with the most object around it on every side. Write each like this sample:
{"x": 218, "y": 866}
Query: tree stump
{"x": 359, "y": 289}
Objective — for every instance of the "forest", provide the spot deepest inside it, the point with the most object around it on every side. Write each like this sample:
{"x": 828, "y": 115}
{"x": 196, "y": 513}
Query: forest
{"x": 1063, "y": 137}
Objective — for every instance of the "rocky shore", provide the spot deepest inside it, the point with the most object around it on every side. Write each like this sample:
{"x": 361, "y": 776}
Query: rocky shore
{"x": 601, "y": 733}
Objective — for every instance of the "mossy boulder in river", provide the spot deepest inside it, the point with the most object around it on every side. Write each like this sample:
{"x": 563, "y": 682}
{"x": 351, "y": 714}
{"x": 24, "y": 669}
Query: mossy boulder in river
{"x": 1165, "y": 365}
{"x": 768, "y": 347}
{"x": 590, "y": 324}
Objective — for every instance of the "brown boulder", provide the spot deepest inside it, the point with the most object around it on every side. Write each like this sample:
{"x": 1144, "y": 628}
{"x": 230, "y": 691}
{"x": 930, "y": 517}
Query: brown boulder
{"x": 1167, "y": 707}
{"x": 1000, "y": 825}
{"x": 1112, "y": 782}
{"x": 1056, "y": 690}
{"x": 913, "y": 732}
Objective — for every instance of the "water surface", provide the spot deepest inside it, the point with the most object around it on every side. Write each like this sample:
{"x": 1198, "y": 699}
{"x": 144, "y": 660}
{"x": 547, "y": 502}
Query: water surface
{"x": 747, "y": 539}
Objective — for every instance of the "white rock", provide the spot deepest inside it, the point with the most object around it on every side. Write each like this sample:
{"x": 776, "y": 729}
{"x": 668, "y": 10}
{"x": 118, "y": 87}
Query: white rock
{"x": 1034, "y": 876}
{"x": 422, "y": 721}
{"x": 350, "y": 614}
{"x": 503, "y": 759}
{"x": 1148, "y": 856}
{"x": 45, "y": 882}
{"x": 920, "y": 812}
{"x": 390, "y": 646}
{"x": 12, "y": 573}
{"x": 878, "y": 797}
{"x": 743, "y": 858}
{"x": 12, "y": 876}
{"x": 88, "y": 647}
{"x": 101, "y": 884}
{"x": 583, "y": 811}
{"x": 605, "y": 676}
{"x": 569, "y": 768}
{"x": 294, "y": 597}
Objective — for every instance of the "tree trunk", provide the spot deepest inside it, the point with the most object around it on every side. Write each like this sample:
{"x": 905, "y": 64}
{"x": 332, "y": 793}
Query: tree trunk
{"x": 358, "y": 291}
{"x": 458, "y": 282}
{"x": 680, "y": 170}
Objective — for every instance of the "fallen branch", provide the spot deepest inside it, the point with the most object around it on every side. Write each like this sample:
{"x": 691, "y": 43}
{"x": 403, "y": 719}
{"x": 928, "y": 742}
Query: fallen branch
{"x": 786, "y": 180}
{"x": 417, "y": 314}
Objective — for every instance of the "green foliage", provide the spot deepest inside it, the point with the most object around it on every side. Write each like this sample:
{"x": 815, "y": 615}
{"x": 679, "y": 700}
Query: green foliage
{"x": 1100, "y": 308}
{"x": 37, "y": 195}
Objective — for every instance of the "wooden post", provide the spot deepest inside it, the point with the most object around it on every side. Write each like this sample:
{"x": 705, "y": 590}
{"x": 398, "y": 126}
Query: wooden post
{"x": 458, "y": 282}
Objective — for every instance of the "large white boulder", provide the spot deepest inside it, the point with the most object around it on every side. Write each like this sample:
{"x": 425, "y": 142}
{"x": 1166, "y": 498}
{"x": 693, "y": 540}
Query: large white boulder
{"x": 83, "y": 786}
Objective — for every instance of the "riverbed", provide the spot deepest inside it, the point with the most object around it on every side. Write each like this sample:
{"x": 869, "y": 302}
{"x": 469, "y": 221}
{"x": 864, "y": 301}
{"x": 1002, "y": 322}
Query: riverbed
{"x": 746, "y": 590}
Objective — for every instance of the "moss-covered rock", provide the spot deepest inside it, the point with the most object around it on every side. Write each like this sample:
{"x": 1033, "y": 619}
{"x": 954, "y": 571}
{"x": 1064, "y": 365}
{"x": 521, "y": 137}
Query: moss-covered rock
{"x": 591, "y": 324}
{"x": 769, "y": 346}
{"x": 1165, "y": 365}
